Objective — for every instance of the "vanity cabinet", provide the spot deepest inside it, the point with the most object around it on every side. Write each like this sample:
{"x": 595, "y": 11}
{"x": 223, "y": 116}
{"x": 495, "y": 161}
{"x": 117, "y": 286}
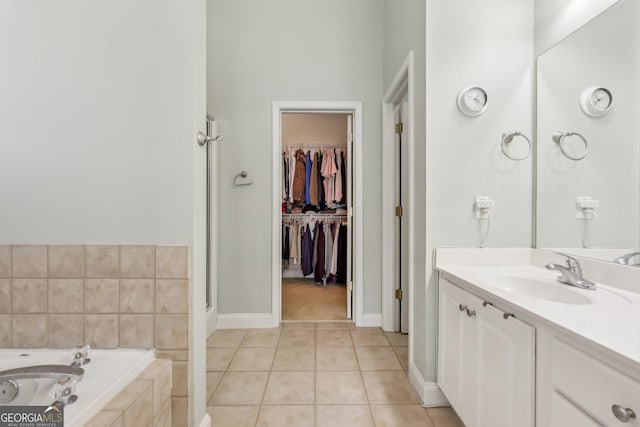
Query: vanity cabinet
{"x": 486, "y": 361}
{"x": 585, "y": 390}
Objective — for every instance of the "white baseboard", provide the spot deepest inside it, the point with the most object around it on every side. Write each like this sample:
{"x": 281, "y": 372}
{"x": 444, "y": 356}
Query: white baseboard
{"x": 212, "y": 321}
{"x": 245, "y": 320}
{"x": 428, "y": 392}
{"x": 371, "y": 320}
{"x": 206, "y": 421}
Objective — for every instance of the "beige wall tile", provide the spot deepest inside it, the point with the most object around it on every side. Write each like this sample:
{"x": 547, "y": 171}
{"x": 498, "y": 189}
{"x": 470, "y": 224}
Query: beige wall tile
{"x": 129, "y": 394}
{"x": 65, "y": 295}
{"x": 180, "y": 379}
{"x": 163, "y": 418}
{"x": 105, "y": 418}
{"x": 172, "y": 296}
{"x": 5, "y": 261}
{"x": 139, "y": 413}
{"x": 179, "y": 412}
{"x": 172, "y": 262}
{"x": 101, "y": 330}
{"x": 162, "y": 386}
{"x": 66, "y": 261}
{"x": 172, "y": 331}
{"x": 137, "y": 261}
{"x": 5, "y": 295}
{"x": 101, "y": 261}
{"x": 65, "y": 330}
{"x": 154, "y": 369}
{"x": 136, "y": 295}
{"x": 29, "y": 261}
{"x": 29, "y": 330}
{"x": 101, "y": 296}
{"x": 175, "y": 355}
{"x": 5, "y": 330}
{"x": 29, "y": 296}
{"x": 136, "y": 330}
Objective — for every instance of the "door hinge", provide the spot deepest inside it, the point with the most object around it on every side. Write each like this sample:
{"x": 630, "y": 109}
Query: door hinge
{"x": 350, "y": 286}
{"x": 350, "y": 137}
{"x": 350, "y": 212}
{"x": 399, "y": 128}
{"x": 398, "y": 211}
{"x": 399, "y": 294}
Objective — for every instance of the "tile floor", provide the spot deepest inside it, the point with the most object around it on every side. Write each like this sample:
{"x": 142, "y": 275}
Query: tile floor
{"x": 314, "y": 374}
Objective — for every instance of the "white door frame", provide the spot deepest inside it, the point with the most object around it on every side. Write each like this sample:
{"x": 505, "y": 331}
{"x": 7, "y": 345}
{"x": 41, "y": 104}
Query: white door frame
{"x": 355, "y": 108}
{"x": 401, "y": 86}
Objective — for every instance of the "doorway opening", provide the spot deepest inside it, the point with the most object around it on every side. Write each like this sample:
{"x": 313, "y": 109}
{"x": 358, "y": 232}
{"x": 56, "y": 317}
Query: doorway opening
{"x": 316, "y": 226}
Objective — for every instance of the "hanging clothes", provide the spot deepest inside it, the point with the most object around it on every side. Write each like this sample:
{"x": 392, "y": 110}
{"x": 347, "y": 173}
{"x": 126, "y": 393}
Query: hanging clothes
{"x": 313, "y": 181}
{"x": 334, "y": 253}
{"x": 285, "y": 243}
{"x": 329, "y": 170}
{"x": 321, "y": 200}
{"x": 307, "y": 252}
{"x": 307, "y": 186}
{"x": 338, "y": 181}
{"x": 285, "y": 176}
{"x": 341, "y": 268}
{"x": 295, "y": 244}
{"x": 328, "y": 247}
{"x": 343, "y": 171}
{"x": 299, "y": 178}
{"x": 319, "y": 272}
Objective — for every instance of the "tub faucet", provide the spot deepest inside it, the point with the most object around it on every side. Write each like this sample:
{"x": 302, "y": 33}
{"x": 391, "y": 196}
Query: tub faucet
{"x": 624, "y": 259}
{"x": 571, "y": 274}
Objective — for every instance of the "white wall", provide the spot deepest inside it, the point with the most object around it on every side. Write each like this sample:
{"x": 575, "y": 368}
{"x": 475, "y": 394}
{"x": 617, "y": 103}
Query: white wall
{"x": 584, "y": 59}
{"x": 286, "y": 50}
{"x": 404, "y": 30}
{"x": 556, "y": 19}
{"x": 96, "y": 120}
{"x": 489, "y": 44}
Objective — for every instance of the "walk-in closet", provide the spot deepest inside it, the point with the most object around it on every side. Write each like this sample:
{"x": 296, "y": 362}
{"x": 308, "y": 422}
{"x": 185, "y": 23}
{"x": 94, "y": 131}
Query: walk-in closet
{"x": 316, "y": 227}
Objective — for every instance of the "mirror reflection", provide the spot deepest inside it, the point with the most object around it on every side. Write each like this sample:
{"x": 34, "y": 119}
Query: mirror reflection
{"x": 588, "y": 116}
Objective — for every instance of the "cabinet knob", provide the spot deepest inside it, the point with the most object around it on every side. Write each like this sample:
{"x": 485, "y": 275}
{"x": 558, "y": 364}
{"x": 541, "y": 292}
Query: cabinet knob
{"x": 471, "y": 313}
{"x": 622, "y": 414}
{"x": 462, "y": 307}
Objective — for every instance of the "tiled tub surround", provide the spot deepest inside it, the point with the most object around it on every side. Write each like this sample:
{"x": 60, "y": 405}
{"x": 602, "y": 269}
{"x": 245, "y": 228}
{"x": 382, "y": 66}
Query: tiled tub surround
{"x": 108, "y": 296}
{"x": 145, "y": 402}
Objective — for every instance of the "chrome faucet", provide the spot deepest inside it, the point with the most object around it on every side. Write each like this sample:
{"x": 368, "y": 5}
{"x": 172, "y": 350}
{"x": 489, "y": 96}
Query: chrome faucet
{"x": 624, "y": 259}
{"x": 571, "y": 274}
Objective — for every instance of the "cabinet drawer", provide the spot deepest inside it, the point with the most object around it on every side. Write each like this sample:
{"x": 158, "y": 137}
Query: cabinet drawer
{"x": 563, "y": 413}
{"x": 593, "y": 385}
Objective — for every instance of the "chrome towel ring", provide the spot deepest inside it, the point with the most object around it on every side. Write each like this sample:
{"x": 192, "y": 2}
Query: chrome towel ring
{"x": 559, "y": 138}
{"x": 507, "y": 138}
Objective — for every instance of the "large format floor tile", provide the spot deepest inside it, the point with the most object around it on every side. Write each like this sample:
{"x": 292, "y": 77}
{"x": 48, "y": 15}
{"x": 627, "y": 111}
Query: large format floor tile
{"x": 316, "y": 374}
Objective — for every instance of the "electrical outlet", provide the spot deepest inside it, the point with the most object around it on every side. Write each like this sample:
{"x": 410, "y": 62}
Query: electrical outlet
{"x": 482, "y": 205}
{"x": 588, "y": 204}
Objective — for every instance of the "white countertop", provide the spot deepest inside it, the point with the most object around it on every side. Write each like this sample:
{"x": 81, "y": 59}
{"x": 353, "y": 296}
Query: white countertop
{"x": 608, "y": 316}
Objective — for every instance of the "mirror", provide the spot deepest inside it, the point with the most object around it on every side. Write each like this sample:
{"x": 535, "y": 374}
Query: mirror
{"x": 591, "y": 206}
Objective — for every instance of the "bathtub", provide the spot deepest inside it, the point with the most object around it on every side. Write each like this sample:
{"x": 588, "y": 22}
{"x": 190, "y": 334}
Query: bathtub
{"x": 107, "y": 374}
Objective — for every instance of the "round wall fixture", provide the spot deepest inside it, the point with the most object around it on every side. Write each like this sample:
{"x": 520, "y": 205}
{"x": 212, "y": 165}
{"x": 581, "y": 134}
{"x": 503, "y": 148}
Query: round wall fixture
{"x": 472, "y": 101}
{"x": 596, "y": 101}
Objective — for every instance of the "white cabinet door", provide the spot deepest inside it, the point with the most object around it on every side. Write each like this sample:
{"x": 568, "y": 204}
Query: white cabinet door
{"x": 505, "y": 367}
{"x": 486, "y": 362}
{"x": 451, "y": 345}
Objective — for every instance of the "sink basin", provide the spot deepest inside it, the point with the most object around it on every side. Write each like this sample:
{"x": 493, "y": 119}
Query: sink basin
{"x": 534, "y": 288}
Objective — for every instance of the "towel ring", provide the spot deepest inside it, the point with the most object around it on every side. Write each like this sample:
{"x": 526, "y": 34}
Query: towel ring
{"x": 241, "y": 175}
{"x": 559, "y": 138}
{"x": 507, "y": 137}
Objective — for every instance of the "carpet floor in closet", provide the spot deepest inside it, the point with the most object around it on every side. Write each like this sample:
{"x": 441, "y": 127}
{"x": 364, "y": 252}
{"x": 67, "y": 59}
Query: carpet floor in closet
{"x": 303, "y": 299}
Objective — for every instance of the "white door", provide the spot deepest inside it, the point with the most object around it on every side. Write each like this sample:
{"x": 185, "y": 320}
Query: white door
{"x": 401, "y": 227}
{"x": 349, "y": 215}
